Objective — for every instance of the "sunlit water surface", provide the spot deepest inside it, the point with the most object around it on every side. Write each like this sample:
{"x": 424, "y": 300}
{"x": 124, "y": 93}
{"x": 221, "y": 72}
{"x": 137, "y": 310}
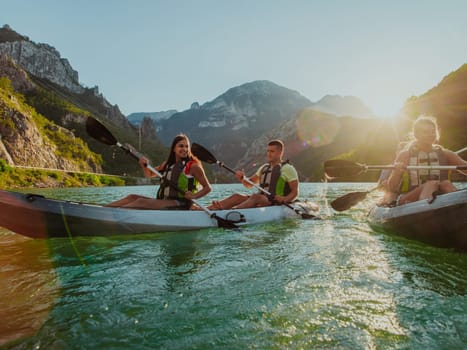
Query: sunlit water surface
{"x": 297, "y": 284}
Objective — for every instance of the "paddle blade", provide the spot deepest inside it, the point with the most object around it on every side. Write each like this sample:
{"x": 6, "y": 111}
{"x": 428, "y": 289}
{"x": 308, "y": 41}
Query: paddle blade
{"x": 348, "y": 201}
{"x": 305, "y": 210}
{"x": 342, "y": 168}
{"x": 306, "y": 216}
{"x": 99, "y": 132}
{"x": 224, "y": 223}
{"x": 203, "y": 154}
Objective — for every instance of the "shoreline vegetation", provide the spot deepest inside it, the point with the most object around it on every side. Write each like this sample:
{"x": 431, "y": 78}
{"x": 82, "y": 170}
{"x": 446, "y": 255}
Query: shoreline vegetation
{"x": 17, "y": 178}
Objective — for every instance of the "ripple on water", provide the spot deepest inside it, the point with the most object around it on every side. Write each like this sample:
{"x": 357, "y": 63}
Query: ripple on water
{"x": 334, "y": 283}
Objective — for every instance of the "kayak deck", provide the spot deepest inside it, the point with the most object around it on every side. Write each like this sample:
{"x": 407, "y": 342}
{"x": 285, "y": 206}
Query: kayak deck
{"x": 39, "y": 217}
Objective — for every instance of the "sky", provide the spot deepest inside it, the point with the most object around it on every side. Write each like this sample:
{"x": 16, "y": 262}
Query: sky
{"x": 149, "y": 56}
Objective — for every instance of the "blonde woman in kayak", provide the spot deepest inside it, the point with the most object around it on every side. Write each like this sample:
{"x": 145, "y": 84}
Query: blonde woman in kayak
{"x": 183, "y": 174}
{"x": 421, "y": 184}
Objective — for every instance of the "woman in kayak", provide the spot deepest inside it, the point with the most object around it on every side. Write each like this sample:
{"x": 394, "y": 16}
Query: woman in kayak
{"x": 182, "y": 173}
{"x": 421, "y": 184}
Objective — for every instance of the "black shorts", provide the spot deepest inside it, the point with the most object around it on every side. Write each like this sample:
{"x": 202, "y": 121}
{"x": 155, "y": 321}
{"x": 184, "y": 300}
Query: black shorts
{"x": 182, "y": 204}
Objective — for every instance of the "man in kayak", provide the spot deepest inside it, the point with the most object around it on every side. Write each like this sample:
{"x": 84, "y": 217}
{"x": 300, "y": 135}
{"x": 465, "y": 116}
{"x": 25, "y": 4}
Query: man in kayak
{"x": 277, "y": 177}
{"x": 421, "y": 184}
{"x": 182, "y": 173}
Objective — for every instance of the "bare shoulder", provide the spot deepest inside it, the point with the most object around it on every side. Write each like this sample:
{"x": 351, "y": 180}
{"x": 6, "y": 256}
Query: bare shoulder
{"x": 403, "y": 156}
{"x": 453, "y": 158}
{"x": 195, "y": 165}
{"x": 196, "y": 168}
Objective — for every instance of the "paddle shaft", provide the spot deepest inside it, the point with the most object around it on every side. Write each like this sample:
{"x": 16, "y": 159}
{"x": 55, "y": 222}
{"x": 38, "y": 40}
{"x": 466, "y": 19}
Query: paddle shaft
{"x": 416, "y": 167}
{"x": 422, "y": 167}
{"x": 247, "y": 180}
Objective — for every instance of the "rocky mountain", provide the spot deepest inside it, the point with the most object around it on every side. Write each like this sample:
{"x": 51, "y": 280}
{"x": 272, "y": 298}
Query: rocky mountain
{"x": 231, "y": 122}
{"x": 48, "y": 87}
{"x": 41, "y": 60}
{"x": 349, "y": 106}
{"x": 29, "y": 139}
{"x": 137, "y": 118}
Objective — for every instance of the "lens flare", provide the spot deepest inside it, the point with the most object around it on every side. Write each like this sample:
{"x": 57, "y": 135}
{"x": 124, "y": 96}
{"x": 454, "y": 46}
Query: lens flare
{"x": 316, "y": 129}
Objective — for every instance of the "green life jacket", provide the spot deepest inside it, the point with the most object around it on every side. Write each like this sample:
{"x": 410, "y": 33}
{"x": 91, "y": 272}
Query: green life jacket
{"x": 176, "y": 176}
{"x": 414, "y": 178}
{"x": 272, "y": 180}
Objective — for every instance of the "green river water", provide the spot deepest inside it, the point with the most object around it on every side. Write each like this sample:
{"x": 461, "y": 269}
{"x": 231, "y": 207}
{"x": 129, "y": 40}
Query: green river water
{"x": 296, "y": 284}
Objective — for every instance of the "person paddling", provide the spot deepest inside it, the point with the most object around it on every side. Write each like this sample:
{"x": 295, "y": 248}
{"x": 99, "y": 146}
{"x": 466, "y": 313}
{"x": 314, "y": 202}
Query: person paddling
{"x": 277, "y": 177}
{"x": 421, "y": 184}
{"x": 389, "y": 198}
{"x": 182, "y": 173}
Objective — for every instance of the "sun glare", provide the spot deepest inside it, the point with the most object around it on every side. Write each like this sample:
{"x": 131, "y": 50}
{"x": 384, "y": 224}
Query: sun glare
{"x": 315, "y": 129}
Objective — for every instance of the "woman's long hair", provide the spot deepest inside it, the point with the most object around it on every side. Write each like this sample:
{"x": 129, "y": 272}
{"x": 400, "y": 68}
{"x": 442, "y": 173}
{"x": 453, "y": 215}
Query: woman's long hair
{"x": 171, "y": 159}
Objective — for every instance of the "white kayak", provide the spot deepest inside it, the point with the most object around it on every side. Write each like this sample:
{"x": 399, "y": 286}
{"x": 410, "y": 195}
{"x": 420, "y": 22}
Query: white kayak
{"x": 441, "y": 222}
{"x": 39, "y": 217}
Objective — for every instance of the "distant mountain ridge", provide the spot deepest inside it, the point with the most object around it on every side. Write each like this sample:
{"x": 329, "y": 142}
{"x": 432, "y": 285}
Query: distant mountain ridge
{"x": 137, "y": 117}
{"x": 340, "y": 106}
{"x": 350, "y": 106}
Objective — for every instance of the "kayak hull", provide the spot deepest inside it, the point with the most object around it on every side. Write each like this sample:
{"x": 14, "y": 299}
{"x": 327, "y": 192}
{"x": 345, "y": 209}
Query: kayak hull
{"x": 442, "y": 223}
{"x": 39, "y": 217}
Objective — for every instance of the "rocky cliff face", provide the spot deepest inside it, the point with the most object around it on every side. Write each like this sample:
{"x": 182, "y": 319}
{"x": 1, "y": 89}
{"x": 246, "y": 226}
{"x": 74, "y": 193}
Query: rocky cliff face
{"x": 23, "y": 144}
{"x": 43, "y": 61}
{"x": 19, "y": 78}
{"x": 50, "y": 87}
{"x": 252, "y": 105}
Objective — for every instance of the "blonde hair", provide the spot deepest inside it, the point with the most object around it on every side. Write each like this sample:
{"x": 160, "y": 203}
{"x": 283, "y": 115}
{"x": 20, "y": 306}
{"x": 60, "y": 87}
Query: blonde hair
{"x": 423, "y": 120}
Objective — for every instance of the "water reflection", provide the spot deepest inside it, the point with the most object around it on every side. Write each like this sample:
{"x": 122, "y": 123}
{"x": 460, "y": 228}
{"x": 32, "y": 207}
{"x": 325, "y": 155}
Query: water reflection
{"x": 29, "y": 285}
{"x": 333, "y": 283}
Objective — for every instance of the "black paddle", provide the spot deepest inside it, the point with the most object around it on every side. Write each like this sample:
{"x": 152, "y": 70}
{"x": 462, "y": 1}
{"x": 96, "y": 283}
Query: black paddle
{"x": 203, "y": 154}
{"x": 336, "y": 168}
{"x": 99, "y": 132}
{"x": 350, "y": 199}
